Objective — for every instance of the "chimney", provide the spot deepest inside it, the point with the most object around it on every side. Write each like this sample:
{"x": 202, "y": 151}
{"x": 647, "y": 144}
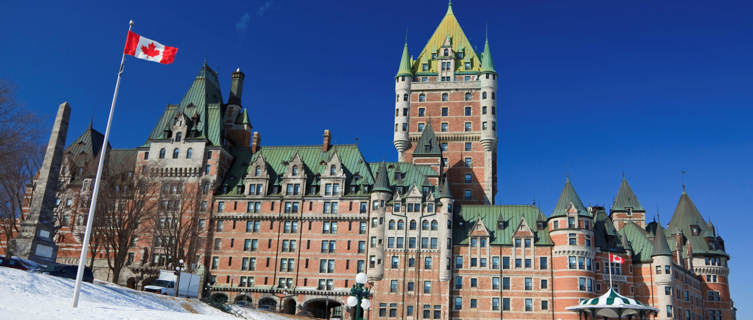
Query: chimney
{"x": 327, "y": 140}
{"x": 236, "y": 87}
{"x": 255, "y": 142}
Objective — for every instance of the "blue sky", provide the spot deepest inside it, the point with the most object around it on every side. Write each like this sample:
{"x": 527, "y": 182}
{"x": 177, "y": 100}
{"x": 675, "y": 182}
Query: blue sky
{"x": 589, "y": 88}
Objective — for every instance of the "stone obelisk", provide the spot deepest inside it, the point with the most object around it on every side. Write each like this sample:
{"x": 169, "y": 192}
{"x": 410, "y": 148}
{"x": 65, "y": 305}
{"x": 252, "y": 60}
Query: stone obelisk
{"x": 36, "y": 241}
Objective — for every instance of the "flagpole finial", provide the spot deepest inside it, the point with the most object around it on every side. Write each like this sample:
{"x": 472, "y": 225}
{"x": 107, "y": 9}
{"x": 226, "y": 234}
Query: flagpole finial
{"x": 130, "y": 23}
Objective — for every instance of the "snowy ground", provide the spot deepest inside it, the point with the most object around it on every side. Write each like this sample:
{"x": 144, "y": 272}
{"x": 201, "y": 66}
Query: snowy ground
{"x": 34, "y": 296}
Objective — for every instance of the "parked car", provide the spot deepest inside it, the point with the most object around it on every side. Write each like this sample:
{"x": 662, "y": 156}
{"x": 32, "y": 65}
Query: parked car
{"x": 68, "y": 271}
{"x": 165, "y": 284}
{"x": 13, "y": 262}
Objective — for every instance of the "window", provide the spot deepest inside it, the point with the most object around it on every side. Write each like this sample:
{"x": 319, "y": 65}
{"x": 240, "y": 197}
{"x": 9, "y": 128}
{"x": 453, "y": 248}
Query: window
{"x": 427, "y": 263}
{"x": 467, "y": 126}
{"x": 421, "y": 127}
{"x": 468, "y": 146}
{"x": 468, "y": 96}
{"x": 571, "y": 222}
{"x": 176, "y": 153}
{"x": 468, "y": 162}
{"x": 427, "y": 286}
{"x": 505, "y": 283}
{"x": 467, "y": 194}
{"x": 529, "y": 304}
{"x": 543, "y": 263}
{"x": 506, "y": 304}
{"x": 495, "y": 303}
{"x": 571, "y": 262}
{"x": 544, "y": 305}
{"x": 543, "y": 284}
{"x": 467, "y": 111}
{"x": 505, "y": 262}
{"x": 458, "y": 303}
{"x": 395, "y": 262}
{"x": 162, "y": 153}
{"x": 421, "y": 112}
{"x": 393, "y": 285}
{"x": 445, "y": 111}
{"x": 444, "y": 97}
{"x": 571, "y": 239}
{"x": 483, "y": 110}
{"x": 495, "y": 262}
{"x": 528, "y": 284}
{"x": 474, "y": 303}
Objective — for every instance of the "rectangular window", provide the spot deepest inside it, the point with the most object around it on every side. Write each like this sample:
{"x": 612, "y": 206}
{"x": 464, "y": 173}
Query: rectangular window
{"x": 528, "y": 284}
{"x": 544, "y": 305}
{"x": 427, "y": 287}
{"x": 421, "y": 112}
{"x": 505, "y": 262}
{"x": 467, "y": 126}
{"x": 458, "y": 282}
{"x": 495, "y": 283}
{"x": 529, "y": 304}
{"x": 505, "y": 283}
{"x": 506, "y": 304}
{"x": 393, "y": 285}
{"x": 543, "y": 284}
{"x": 467, "y": 111}
{"x": 458, "y": 303}
{"x": 445, "y": 111}
{"x": 543, "y": 263}
{"x": 458, "y": 262}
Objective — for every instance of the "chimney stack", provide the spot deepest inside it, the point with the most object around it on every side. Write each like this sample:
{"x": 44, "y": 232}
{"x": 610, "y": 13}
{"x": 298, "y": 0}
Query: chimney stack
{"x": 327, "y": 140}
{"x": 255, "y": 142}
{"x": 236, "y": 87}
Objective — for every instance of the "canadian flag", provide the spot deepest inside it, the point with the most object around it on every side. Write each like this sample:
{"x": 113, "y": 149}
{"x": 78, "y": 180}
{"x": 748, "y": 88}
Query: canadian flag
{"x": 616, "y": 258}
{"x": 148, "y": 49}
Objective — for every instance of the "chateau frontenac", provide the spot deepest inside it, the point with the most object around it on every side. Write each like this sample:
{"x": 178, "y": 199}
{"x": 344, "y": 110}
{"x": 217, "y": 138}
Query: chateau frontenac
{"x": 287, "y": 228}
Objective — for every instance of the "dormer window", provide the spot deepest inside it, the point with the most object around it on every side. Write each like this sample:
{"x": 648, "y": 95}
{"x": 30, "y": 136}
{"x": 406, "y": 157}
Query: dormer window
{"x": 178, "y": 136}
{"x": 460, "y": 55}
{"x": 446, "y": 52}
{"x": 332, "y": 170}
{"x": 257, "y": 171}
{"x": 433, "y": 55}
{"x": 295, "y": 171}
{"x": 571, "y": 222}
{"x": 467, "y": 66}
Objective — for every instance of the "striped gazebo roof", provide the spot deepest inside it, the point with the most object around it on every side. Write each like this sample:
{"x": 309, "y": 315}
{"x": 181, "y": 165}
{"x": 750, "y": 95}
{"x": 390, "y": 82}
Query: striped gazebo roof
{"x": 612, "y": 305}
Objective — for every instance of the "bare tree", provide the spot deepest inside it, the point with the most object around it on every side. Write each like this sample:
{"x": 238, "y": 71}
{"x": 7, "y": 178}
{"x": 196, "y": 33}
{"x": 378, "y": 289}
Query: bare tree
{"x": 176, "y": 231}
{"x": 20, "y": 156}
{"x": 124, "y": 209}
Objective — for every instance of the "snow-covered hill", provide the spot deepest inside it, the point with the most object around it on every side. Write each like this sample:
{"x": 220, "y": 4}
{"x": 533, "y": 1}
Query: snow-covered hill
{"x": 34, "y": 296}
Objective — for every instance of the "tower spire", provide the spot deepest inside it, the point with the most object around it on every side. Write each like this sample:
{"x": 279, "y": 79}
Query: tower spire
{"x": 449, "y": 8}
{"x": 486, "y": 57}
{"x": 405, "y": 66}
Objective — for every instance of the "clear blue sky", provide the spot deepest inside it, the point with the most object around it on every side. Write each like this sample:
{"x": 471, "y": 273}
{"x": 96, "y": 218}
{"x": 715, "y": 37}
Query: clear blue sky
{"x": 593, "y": 88}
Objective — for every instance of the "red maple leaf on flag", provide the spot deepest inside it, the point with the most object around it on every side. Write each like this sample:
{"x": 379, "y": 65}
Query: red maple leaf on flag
{"x": 150, "y": 50}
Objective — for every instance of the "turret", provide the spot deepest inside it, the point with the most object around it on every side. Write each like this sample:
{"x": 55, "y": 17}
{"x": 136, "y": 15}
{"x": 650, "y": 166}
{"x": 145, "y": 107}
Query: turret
{"x": 488, "y": 80}
{"x": 236, "y": 87}
{"x": 445, "y": 217}
{"x": 403, "y": 81}
{"x": 626, "y": 207}
{"x": 661, "y": 258}
{"x": 381, "y": 194}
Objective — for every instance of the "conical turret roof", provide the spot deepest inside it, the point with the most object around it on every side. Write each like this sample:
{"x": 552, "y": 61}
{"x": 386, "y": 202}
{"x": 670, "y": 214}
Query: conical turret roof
{"x": 626, "y": 198}
{"x": 686, "y": 214}
{"x": 444, "y": 189}
{"x": 661, "y": 248}
{"x": 568, "y": 197}
{"x": 405, "y": 65}
{"x": 486, "y": 58}
{"x": 382, "y": 181}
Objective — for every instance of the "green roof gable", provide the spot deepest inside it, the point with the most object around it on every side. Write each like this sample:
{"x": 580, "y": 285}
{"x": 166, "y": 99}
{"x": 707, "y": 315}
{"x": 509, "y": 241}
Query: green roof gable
{"x": 639, "y": 242}
{"x": 568, "y": 197}
{"x": 494, "y": 217}
{"x": 427, "y": 145}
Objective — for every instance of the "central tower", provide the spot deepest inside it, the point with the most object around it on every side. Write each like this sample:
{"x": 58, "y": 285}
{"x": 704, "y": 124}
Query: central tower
{"x": 455, "y": 89}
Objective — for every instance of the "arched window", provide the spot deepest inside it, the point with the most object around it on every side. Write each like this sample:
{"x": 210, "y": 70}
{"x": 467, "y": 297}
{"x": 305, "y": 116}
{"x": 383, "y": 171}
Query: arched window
{"x": 444, "y": 97}
{"x": 391, "y": 225}
{"x": 162, "y": 153}
{"x": 421, "y": 97}
{"x": 295, "y": 170}
{"x": 400, "y": 224}
{"x": 397, "y": 98}
{"x": 425, "y": 225}
{"x": 412, "y": 225}
{"x": 467, "y": 96}
{"x": 434, "y": 225}
{"x": 257, "y": 171}
{"x": 405, "y": 97}
{"x": 178, "y": 136}
{"x": 483, "y": 95}
{"x": 332, "y": 170}
{"x": 189, "y": 153}
{"x": 176, "y": 152}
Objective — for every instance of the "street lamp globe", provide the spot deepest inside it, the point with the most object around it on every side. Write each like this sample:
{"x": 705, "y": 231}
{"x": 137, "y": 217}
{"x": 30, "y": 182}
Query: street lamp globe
{"x": 352, "y": 301}
{"x": 181, "y": 261}
{"x": 365, "y": 304}
{"x": 361, "y": 278}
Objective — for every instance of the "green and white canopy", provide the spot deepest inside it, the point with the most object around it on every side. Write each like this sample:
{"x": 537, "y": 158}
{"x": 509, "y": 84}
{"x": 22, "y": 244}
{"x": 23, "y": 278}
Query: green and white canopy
{"x": 613, "y": 305}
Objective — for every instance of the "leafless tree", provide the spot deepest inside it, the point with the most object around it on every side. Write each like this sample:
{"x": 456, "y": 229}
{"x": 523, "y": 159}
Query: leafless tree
{"x": 20, "y": 156}
{"x": 176, "y": 226}
{"x": 125, "y": 209}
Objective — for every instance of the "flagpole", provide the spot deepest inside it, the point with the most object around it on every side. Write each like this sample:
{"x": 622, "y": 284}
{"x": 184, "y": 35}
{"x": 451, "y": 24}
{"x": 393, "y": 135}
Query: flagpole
{"x": 97, "y": 181}
{"x": 610, "y": 271}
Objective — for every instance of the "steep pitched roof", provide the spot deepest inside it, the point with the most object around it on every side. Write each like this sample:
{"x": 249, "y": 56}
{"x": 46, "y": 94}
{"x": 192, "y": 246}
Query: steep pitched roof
{"x": 639, "y": 242}
{"x": 486, "y": 58}
{"x": 568, "y": 197}
{"x": 661, "y": 247}
{"x": 405, "y": 67}
{"x": 444, "y": 189}
{"x": 204, "y": 100}
{"x": 492, "y": 216}
{"x": 427, "y": 145}
{"x": 684, "y": 219}
{"x": 89, "y": 143}
{"x": 626, "y": 198}
{"x": 382, "y": 182}
{"x": 448, "y": 27}
{"x": 604, "y": 231}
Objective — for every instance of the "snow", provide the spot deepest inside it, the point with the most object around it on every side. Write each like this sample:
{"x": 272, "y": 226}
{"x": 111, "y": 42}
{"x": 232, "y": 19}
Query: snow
{"x": 36, "y": 296}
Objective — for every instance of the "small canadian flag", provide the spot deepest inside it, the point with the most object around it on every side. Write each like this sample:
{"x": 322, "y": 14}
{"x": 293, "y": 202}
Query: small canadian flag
{"x": 147, "y": 49}
{"x": 616, "y": 258}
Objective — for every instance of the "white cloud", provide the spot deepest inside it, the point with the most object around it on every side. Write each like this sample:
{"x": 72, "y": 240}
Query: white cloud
{"x": 264, "y": 7}
{"x": 242, "y": 24}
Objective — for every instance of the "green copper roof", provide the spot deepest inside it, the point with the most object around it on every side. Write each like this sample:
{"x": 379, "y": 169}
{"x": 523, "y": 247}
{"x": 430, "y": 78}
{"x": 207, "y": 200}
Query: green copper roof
{"x": 427, "y": 145}
{"x": 684, "y": 219}
{"x": 494, "y": 217}
{"x": 314, "y": 160}
{"x": 404, "y": 69}
{"x": 244, "y": 119}
{"x": 661, "y": 248}
{"x": 382, "y": 180}
{"x": 639, "y": 242}
{"x": 409, "y": 174}
{"x": 567, "y": 197}
{"x": 605, "y": 235}
{"x": 202, "y": 96}
{"x": 486, "y": 58}
{"x": 626, "y": 198}
{"x": 89, "y": 143}
{"x": 448, "y": 27}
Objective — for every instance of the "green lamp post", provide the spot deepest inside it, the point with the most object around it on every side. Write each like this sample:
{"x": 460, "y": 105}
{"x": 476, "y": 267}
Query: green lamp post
{"x": 359, "y": 296}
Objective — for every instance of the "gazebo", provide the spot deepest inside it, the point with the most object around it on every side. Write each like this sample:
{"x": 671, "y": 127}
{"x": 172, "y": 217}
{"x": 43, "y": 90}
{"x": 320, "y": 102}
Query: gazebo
{"x": 613, "y": 305}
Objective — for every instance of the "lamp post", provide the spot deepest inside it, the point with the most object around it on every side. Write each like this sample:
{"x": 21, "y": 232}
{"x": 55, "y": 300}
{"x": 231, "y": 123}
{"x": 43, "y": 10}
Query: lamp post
{"x": 359, "y": 296}
{"x": 178, "y": 269}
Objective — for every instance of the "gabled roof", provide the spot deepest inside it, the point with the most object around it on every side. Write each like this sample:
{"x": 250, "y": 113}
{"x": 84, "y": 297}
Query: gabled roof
{"x": 567, "y": 198}
{"x": 491, "y": 215}
{"x": 427, "y": 145}
{"x": 626, "y": 198}
{"x": 661, "y": 247}
{"x": 202, "y": 99}
{"x": 448, "y": 27}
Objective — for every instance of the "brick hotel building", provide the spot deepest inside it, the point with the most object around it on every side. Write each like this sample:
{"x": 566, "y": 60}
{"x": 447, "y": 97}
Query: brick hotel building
{"x": 288, "y": 227}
